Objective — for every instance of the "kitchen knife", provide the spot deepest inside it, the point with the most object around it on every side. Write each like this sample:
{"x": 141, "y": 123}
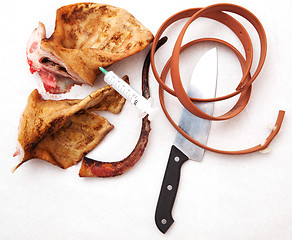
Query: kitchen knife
{"x": 203, "y": 84}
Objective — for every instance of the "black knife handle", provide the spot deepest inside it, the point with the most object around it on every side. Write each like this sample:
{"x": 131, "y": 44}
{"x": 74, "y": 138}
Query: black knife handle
{"x": 163, "y": 216}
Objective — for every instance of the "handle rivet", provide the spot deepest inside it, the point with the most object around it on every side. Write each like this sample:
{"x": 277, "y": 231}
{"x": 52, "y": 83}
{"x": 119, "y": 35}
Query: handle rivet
{"x": 176, "y": 159}
{"x": 169, "y": 187}
{"x": 163, "y": 221}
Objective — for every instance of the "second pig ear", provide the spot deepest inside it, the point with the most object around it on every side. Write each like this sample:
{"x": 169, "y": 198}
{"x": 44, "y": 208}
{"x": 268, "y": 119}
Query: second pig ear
{"x": 81, "y": 133}
{"x": 62, "y": 131}
{"x": 42, "y": 117}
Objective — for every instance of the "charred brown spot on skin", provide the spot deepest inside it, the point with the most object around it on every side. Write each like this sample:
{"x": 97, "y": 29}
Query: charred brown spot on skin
{"x": 55, "y": 123}
{"x": 129, "y": 46}
{"x": 105, "y": 27}
{"x": 98, "y": 127}
{"x": 104, "y": 10}
{"x": 104, "y": 59}
{"x": 79, "y": 13}
{"x": 89, "y": 139}
{"x": 116, "y": 37}
{"x": 73, "y": 35}
{"x": 106, "y": 103}
{"x": 29, "y": 146}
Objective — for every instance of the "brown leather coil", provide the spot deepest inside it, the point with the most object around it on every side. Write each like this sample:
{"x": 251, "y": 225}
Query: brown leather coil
{"x": 219, "y": 13}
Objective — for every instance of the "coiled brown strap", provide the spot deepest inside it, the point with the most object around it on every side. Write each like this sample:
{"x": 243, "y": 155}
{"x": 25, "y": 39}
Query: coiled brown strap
{"x": 216, "y": 12}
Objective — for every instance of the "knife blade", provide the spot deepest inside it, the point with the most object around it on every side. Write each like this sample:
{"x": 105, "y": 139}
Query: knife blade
{"x": 203, "y": 84}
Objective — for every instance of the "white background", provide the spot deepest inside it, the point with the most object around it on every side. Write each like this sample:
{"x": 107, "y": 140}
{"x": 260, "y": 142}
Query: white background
{"x": 222, "y": 198}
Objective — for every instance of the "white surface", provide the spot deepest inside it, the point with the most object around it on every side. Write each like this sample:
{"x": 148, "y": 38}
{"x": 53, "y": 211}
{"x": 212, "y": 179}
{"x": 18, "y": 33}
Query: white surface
{"x": 224, "y": 197}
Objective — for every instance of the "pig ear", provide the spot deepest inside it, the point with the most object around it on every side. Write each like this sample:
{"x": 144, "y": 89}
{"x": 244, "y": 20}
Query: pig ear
{"x": 66, "y": 147}
{"x": 47, "y": 124}
{"x": 88, "y": 36}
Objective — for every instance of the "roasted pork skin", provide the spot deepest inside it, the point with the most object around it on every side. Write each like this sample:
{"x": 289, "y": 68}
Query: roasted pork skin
{"x": 86, "y": 36}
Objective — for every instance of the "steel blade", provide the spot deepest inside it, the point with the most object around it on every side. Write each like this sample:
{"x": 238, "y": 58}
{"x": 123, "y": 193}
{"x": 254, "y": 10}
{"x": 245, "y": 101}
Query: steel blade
{"x": 203, "y": 84}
